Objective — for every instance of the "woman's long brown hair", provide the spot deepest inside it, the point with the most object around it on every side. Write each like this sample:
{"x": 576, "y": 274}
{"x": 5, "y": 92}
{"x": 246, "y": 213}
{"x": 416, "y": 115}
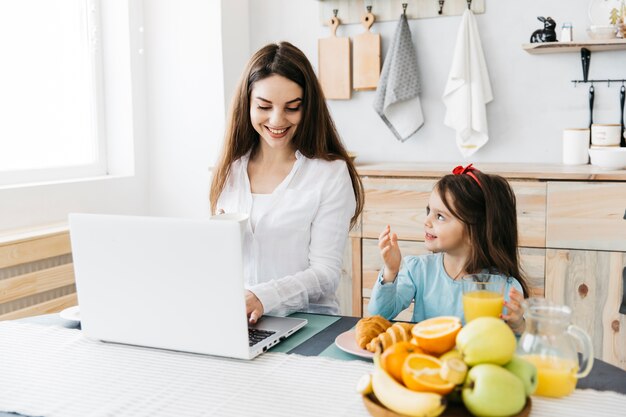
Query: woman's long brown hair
{"x": 490, "y": 217}
{"x": 316, "y": 136}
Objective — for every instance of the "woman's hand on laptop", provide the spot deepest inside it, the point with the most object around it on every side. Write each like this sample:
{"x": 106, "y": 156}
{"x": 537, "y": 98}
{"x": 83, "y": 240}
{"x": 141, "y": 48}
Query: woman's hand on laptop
{"x": 254, "y": 307}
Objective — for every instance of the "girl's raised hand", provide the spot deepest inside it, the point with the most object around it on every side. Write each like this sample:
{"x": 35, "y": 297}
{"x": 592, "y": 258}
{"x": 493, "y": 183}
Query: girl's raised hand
{"x": 390, "y": 252}
{"x": 515, "y": 312}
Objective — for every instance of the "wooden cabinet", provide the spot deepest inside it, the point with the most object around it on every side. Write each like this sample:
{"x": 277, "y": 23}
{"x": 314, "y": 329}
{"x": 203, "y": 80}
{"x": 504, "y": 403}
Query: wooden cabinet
{"x": 572, "y": 236}
{"x": 590, "y": 283}
{"x": 587, "y": 215}
{"x": 402, "y": 202}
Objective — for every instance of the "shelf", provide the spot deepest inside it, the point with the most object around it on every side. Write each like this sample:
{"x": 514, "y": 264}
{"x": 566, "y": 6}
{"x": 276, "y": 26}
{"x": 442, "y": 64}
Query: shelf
{"x": 559, "y": 47}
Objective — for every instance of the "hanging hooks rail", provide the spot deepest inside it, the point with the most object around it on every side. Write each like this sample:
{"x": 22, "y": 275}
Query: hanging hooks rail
{"x": 351, "y": 11}
{"x": 404, "y": 6}
{"x": 441, "y": 2}
{"x": 608, "y": 81}
{"x": 469, "y": 4}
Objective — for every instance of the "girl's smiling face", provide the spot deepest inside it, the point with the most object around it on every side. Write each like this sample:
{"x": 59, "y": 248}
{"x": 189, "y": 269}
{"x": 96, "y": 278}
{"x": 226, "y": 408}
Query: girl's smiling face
{"x": 443, "y": 231}
{"x": 275, "y": 110}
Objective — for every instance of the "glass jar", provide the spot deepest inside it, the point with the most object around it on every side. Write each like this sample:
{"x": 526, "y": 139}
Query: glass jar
{"x": 567, "y": 34}
{"x": 551, "y": 343}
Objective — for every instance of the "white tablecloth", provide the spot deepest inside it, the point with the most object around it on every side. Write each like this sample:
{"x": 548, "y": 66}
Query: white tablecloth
{"x": 52, "y": 371}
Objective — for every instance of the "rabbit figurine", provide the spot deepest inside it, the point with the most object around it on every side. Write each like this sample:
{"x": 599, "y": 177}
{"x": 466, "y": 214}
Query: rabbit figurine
{"x": 547, "y": 34}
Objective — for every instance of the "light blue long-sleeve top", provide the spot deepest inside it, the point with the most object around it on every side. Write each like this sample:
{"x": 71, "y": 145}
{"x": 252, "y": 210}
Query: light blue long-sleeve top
{"x": 425, "y": 280}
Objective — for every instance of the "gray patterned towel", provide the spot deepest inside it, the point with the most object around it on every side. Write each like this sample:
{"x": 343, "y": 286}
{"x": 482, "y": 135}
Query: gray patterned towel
{"x": 397, "y": 96}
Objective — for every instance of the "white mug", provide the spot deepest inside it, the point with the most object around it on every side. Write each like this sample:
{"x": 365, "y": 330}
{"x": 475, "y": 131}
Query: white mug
{"x": 605, "y": 134}
{"x": 575, "y": 146}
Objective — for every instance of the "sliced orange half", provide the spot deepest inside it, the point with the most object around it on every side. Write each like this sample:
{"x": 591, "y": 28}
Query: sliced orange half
{"x": 437, "y": 335}
{"x": 421, "y": 372}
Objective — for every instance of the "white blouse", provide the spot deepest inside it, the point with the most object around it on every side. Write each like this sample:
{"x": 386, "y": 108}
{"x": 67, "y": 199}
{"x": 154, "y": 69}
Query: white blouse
{"x": 293, "y": 258}
{"x": 260, "y": 204}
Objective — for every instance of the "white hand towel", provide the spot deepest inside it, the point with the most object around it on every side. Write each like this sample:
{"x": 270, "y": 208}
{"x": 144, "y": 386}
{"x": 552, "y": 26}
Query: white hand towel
{"x": 468, "y": 89}
{"x": 397, "y": 99}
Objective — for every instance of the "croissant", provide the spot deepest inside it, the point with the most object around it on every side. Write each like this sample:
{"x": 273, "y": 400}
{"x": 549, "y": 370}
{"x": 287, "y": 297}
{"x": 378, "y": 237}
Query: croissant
{"x": 398, "y": 332}
{"x": 370, "y": 327}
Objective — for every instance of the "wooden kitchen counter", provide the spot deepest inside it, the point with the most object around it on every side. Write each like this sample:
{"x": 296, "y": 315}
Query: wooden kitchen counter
{"x": 507, "y": 170}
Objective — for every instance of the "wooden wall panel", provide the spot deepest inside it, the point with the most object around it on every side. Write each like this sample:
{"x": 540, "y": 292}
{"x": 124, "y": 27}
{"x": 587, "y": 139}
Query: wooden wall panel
{"x": 30, "y": 289}
{"x": 20, "y": 252}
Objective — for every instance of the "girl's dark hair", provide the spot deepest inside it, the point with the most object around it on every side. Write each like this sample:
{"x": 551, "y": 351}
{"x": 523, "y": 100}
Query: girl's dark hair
{"x": 316, "y": 136}
{"x": 490, "y": 217}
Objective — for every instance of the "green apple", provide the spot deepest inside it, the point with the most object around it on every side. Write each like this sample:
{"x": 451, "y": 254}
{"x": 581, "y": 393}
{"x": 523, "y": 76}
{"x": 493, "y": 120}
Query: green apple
{"x": 486, "y": 340}
{"x": 492, "y": 391}
{"x": 525, "y": 371}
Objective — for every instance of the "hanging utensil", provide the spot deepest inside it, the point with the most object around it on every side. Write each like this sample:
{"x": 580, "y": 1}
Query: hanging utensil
{"x": 622, "y": 96}
{"x": 334, "y": 63}
{"x": 585, "y": 57}
{"x": 366, "y": 55}
{"x": 591, "y": 97}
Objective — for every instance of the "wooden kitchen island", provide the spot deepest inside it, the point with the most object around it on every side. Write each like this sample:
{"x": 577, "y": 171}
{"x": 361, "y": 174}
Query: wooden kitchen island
{"x": 572, "y": 236}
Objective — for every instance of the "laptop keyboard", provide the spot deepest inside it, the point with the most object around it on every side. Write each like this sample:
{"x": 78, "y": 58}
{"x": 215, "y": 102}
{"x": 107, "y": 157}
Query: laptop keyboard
{"x": 256, "y": 335}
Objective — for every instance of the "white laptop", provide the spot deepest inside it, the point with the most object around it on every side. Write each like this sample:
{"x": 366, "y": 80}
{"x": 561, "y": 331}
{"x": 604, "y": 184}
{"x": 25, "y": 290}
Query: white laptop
{"x": 168, "y": 283}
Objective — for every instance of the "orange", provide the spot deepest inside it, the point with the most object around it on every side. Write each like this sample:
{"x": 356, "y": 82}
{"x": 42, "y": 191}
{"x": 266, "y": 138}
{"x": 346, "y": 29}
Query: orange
{"x": 421, "y": 372}
{"x": 437, "y": 335}
{"x": 393, "y": 358}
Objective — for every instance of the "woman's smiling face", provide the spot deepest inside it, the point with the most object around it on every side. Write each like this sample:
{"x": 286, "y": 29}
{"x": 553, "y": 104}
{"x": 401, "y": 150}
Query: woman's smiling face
{"x": 276, "y": 110}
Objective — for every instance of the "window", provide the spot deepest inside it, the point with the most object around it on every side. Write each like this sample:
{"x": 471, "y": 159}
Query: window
{"x": 50, "y": 91}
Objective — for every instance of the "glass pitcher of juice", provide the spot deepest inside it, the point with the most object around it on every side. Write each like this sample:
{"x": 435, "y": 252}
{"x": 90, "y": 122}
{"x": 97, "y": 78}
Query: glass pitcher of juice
{"x": 551, "y": 343}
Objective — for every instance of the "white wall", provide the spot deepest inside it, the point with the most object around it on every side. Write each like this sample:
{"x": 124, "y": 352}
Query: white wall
{"x": 195, "y": 51}
{"x": 533, "y": 96}
{"x": 184, "y": 81}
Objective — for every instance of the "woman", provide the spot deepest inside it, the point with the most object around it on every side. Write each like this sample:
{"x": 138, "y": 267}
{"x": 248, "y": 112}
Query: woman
{"x": 284, "y": 164}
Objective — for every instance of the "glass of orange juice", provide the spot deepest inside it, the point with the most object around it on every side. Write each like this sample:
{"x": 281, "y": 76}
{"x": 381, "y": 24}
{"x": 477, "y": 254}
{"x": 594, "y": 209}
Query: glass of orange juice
{"x": 483, "y": 295}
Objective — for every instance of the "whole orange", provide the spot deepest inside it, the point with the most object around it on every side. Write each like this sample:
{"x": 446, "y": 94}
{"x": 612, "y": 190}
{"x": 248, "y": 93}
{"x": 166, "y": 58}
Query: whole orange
{"x": 392, "y": 359}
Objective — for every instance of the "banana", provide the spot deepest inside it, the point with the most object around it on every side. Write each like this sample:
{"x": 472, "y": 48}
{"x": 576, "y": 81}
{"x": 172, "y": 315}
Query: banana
{"x": 453, "y": 370}
{"x": 364, "y": 386}
{"x": 400, "y": 399}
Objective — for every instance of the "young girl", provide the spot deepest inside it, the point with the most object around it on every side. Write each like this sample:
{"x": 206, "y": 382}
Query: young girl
{"x": 471, "y": 226}
{"x": 284, "y": 165}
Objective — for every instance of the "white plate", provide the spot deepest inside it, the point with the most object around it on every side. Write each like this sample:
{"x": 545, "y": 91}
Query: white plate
{"x": 71, "y": 313}
{"x": 600, "y": 11}
{"x": 346, "y": 342}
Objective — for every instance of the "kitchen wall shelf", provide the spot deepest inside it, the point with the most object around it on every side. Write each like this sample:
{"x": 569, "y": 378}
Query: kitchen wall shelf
{"x": 560, "y": 47}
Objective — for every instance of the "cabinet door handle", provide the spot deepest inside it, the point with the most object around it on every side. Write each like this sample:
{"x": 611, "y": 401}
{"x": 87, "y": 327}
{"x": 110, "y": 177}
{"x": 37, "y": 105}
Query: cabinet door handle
{"x": 622, "y": 307}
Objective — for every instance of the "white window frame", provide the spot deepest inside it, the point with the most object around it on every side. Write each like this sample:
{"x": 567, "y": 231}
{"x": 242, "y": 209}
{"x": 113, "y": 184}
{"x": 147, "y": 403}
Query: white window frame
{"x": 124, "y": 187}
{"x": 100, "y": 166}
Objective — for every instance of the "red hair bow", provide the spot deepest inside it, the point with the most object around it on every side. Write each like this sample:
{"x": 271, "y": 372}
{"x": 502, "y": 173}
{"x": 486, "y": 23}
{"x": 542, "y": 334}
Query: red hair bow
{"x": 469, "y": 170}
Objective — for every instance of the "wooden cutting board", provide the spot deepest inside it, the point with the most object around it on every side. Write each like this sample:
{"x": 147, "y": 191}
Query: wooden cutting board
{"x": 334, "y": 64}
{"x": 366, "y": 56}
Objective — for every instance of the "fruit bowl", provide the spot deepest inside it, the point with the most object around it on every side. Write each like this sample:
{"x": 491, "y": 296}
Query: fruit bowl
{"x": 376, "y": 409}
